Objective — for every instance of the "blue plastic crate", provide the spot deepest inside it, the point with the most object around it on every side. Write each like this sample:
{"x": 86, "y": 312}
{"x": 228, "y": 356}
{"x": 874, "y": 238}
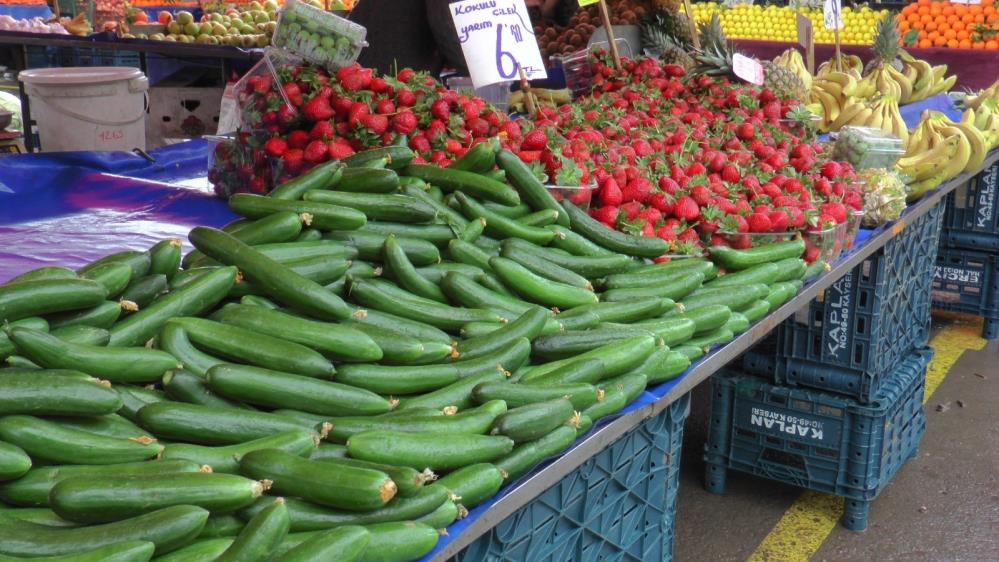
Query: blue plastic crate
{"x": 619, "y": 505}
{"x": 866, "y": 321}
{"x": 817, "y": 440}
{"x": 972, "y": 217}
{"x": 968, "y": 281}
{"x": 37, "y": 56}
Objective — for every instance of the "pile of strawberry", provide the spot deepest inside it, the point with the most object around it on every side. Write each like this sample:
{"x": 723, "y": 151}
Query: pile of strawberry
{"x": 693, "y": 160}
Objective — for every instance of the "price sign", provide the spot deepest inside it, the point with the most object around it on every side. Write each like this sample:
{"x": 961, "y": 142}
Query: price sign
{"x": 804, "y": 30}
{"x": 587, "y": 2}
{"x": 497, "y": 39}
{"x": 748, "y": 69}
{"x": 832, "y": 14}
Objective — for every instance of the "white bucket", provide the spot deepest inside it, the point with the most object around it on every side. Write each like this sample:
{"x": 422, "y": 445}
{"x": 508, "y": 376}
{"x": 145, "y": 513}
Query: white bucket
{"x": 95, "y": 108}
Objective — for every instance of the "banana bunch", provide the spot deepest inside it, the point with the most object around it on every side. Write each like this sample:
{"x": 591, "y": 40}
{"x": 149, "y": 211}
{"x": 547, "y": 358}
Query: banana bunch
{"x": 848, "y": 63}
{"x": 878, "y": 113}
{"x": 832, "y": 90}
{"x": 925, "y": 80}
{"x": 985, "y": 118}
{"x": 791, "y": 60}
{"x": 554, "y": 98}
{"x": 938, "y": 150}
{"x": 990, "y": 93}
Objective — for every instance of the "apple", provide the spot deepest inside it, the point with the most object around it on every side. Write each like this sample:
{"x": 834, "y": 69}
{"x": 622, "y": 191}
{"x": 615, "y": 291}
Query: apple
{"x": 184, "y": 17}
{"x": 174, "y": 28}
{"x": 192, "y": 29}
{"x": 164, "y": 17}
{"x": 157, "y": 37}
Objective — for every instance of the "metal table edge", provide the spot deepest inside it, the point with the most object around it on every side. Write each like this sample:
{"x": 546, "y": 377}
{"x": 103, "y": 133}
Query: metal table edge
{"x": 607, "y": 434}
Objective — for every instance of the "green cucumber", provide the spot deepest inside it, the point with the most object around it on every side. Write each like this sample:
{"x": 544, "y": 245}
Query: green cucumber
{"x": 249, "y": 346}
{"x": 404, "y": 379}
{"x": 573, "y": 343}
{"x": 173, "y": 339}
{"x": 226, "y": 459}
{"x": 498, "y": 225}
{"x": 260, "y": 536}
{"x": 587, "y": 266}
{"x": 202, "y": 550}
{"x": 623, "y": 311}
{"x": 369, "y": 246}
{"x": 815, "y": 269}
{"x": 385, "y": 297}
{"x": 403, "y": 271}
{"x": 436, "y": 234}
{"x": 399, "y": 542}
{"x": 678, "y": 288}
{"x": 538, "y": 289}
{"x": 525, "y": 457}
{"x": 791, "y": 269}
{"x": 470, "y": 421}
{"x": 765, "y": 273}
{"x": 631, "y": 385}
{"x": 33, "y": 488}
{"x": 87, "y": 335}
{"x": 133, "y": 398}
{"x": 614, "y": 399}
{"x": 6, "y": 346}
{"x": 672, "y": 331}
{"x": 531, "y": 189}
{"x": 465, "y": 291}
{"x": 277, "y": 280}
{"x": 345, "y": 544}
{"x": 49, "y": 272}
{"x": 212, "y": 425}
{"x": 194, "y": 298}
{"x": 576, "y": 244}
{"x": 617, "y": 356}
{"x": 419, "y": 450}
{"x": 53, "y": 393}
{"x": 443, "y": 212}
{"x": 115, "y": 276}
{"x": 508, "y": 211}
{"x": 408, "y": 481}
{"x": 324, "y": 175}
{"x": 309, "y": 517}
{"x": 14, "y": 462}
{"x": 222, "y": 526}
{"x": 737, "y": 323}
{"x": 480, "y": 158}
{"x": 397, "y": 324}
{"x": 396, "y": 347}
{"x": 376, "y": 206}
{"x": 110, "y": 425}
{"x": 183, "y": 386}
{"x": 665, "y": 365}
{"x": 473, "y": 484}
{"x": 706, "y": 318}
{"x": 335, "y": 341}
{"x": 445, "y": 514}
{"x": 714, "y": 337}
{"x": 351, "y": 488}
{"x": 285, "y": 252}
{"x": 46, "y": 296}
{"x": 125, "y": 551}
{"x": 642, "y": 246}
{"x": 164, "y": 257}
{"x": 780, "y": 293}
{"x": 138, "y": 261}
{"x": 741, "y": 259}
{"x": 145, "y": 290}
{"x": 112, "y": 363}
{"x": 532, "y": 421}
{"x": 39, "y": 516}
{"x": 99, "y": 500}
{"x": 435, "y": 273}
{"x": 734, "y": 296}
{"x": 283, "y": 390}
{"x": 262, "y": 302}
{"x": 544, "y": 268}
{"x": 656, "y": 277}
{"x": 396, "y": 157}
{"x": 283, "y": 226}
{"x": 472, "y": 231}
{"x": 458, "y": 394}
{"x": 368, "y": 180}
{"x": 587, "y": 370}
{"x": 47, "y": 440}
{"x": 322, "y": 216}
{"x": 460, "y": 181}
{"x": 103, "y": 316}
{"x": 19, "y": 362}
{"x": 581, "y": 395}
{"x": 539, "y": 218}
{"x": 328, "y": 451}
{"x": 529, "y": 325}
{"x": 756, "y": 310}
{"x": 689, "y": 351}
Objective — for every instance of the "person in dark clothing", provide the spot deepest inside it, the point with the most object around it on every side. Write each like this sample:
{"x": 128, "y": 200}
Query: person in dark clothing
{"x": 417, "y": 34}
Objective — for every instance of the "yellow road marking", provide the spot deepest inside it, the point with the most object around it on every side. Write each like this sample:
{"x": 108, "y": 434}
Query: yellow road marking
{"x": 806, "y": 524}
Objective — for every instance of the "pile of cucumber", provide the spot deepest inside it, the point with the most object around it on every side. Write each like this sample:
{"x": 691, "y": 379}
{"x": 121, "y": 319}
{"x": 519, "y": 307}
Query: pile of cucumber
{"x": 375, "y": 348}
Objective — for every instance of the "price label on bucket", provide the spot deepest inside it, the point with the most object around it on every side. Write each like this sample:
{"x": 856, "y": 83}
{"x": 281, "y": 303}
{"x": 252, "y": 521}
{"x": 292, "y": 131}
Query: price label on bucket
{"x": 497, "y": 39}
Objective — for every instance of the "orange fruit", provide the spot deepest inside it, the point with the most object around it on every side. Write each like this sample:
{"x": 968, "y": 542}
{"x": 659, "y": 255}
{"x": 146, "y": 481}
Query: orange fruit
{"x": 923, "y": 11}
{"x": 992, "y": 44}
{"x": 925, "y": 43}
{"x": 926, "y": 18}
{"x": 964, "y": 44}
{"x": 931, "y": 26}
{"x": 936, "y": 10}
{"x": 952, "y": 19}
{"x": 952, "y": 43}
{"x": 960, "y": 10}
{"x": 968, "y": 18}
{"x": 903, "y": 26}
{"x": 923, "y": 2}
{"x": 950, "y": 34}
{"x": 978, "y": 45}
{"x": 947, "y": 10}
{"x": 939, "y": 42}
{"x": 962, "y": 34}
{"x": 957, "y": 26}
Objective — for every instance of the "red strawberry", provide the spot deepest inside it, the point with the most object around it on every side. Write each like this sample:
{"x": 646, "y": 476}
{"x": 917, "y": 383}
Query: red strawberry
{"x": 318, "y": 109}
{"x": 662, "y": 202}
{"x": 404, "y": 122}
{"x": 275, "y": 147}
{"x": 375, "y": 122}
{"x": 631, "y": 209}
{"x": 293, "y": 93}
{"x": 666, "y": 233}
{"x": 730, "y": 174}
{"x": 759, "y": 222}
{"x": 385, "y": 106}
{"x": 357, "y": 80}
{"x": 811, "y": 254}
{"x": 651, "y": 215}
{"x": 478, "y": 126}
{"x": 440, "y": 109}
{"x": 292, "y": 160}
{"x": 316, "y": 151}
{"x": 668, "y": 185}
{"x": 379, "y": 85}
{"x": 610, "y": 193}
{"x": 779, "y": 221}
{"x": 831, "y": 170}
{"x": 835, "y": 210}
{"x": 512, "y": 130}
{"x": 405, "y": 98}
{"x": 745, "y": 131}
{"x": 702, "y": 195}
{"x": 420, "y": 144}
{"x": 339, "y": 151}
{"x": 607, "y": 215}
{"x": 689, "y": 235}
{"x": 686, "y": 209}
{"x": 534, "y": 140}
{"x": 322, "y": 130}
{"x": 357, "y": 111}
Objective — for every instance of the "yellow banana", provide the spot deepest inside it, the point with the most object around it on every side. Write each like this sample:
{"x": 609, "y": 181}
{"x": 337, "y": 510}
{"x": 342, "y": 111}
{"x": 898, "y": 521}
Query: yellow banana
{"x": 850, "y": 114}
{"x": 991, "y": 132}
{"x": 917, "y": 189}
{"x": 917, "y": 142}
{"x": 929, "y": 163}
{"x": 943, "y": 86}
{"x": 830, "y": 105}
{"x": 904, "y": 84}
{"x": 924, "y": 73}
{"x": 833, "y": 88}
{"x": 979, "y": 148}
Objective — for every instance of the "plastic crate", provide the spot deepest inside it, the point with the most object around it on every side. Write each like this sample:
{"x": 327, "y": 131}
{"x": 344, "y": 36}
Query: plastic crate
{"x": 101, "y": 57}
{"x": 864, "y": 323}
{"x": 968, "y": 281}
{"x": 972, "y": 217}
{"x": 619, "y": 505}
{"x": 817, "y": 440}
{"x": 37, "y": 56}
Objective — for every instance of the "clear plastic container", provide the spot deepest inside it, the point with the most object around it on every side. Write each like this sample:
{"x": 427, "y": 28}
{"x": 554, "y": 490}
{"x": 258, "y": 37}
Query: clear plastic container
{"x": 318, "y": 36}
{"x": 579, "y": 195}
{"x": 819, "y": 244}
{"x": 576, "y": 66}
{"x": 804, "y": 130}
{"x": 852, "y": 228}
{"x": 497, "y": 95}
{"x": 250, "y": 100}
{"x": 866, "y": 147}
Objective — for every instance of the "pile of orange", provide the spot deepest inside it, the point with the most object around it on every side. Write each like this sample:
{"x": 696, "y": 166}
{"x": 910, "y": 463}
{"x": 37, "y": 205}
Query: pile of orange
{"x": 943, "y": 24}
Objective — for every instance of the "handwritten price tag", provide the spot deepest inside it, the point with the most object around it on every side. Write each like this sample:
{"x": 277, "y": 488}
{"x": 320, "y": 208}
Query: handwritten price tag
{"x": 804, "y": 30}
{"x": 497, "y": 38}
{"x": 832, "y": 14}
{"x": 748, "y": 69}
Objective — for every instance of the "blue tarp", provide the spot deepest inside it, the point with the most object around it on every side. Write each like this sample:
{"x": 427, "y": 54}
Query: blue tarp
{"x": 26, "y": 12}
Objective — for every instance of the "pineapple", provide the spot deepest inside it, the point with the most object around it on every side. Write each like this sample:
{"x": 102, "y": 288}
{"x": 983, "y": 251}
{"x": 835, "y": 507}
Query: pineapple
{"x": 666, "y": 35}
{"x": 783, "y": 82}
{"x": 885, "y": 45}
{"x": 715, "y": 56}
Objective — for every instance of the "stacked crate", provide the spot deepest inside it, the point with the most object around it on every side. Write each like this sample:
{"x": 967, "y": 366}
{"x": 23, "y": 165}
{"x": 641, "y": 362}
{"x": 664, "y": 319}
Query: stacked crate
{"x": 967, "y": 272}
{"x": 842, "y": 407}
